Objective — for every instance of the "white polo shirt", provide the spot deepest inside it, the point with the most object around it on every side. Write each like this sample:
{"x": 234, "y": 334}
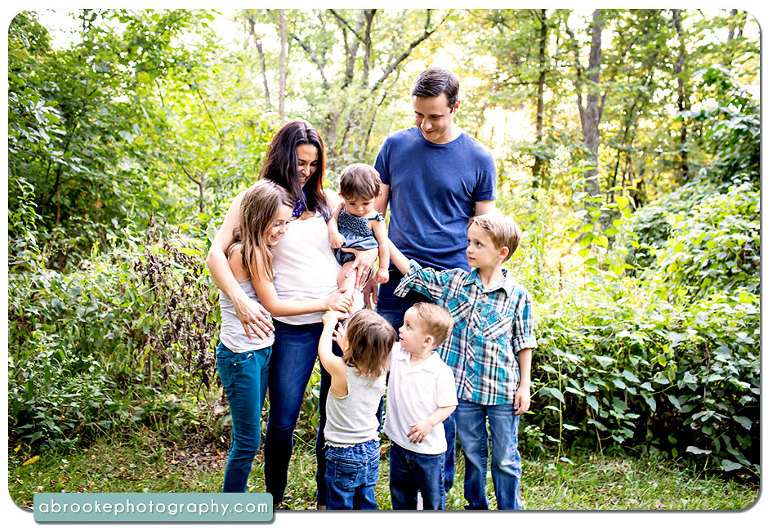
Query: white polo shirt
{"x": 414, "y": 393}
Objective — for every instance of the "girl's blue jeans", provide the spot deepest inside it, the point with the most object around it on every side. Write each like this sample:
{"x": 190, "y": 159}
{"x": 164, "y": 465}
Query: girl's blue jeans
{"x": 244, "y": 377}
{"x": 293, "y": 358}
{"x": 506, "y": 468}
{"x": 350, "y": 476}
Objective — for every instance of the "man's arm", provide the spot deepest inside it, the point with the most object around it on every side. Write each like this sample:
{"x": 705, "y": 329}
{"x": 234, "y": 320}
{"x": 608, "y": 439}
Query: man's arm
{"x": 382, "y": 201}
{"x": 484, "y": 207}
{"x": 398, "y": 259}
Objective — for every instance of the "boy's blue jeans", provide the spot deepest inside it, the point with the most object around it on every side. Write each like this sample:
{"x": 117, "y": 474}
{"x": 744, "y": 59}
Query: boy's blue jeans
{"x": 506, "y": 467}
{"x": 293, "y": 359}
{"x": 410, "y": 472}
{"x": 351, "y": 473}
{"x": 244, "y": 377}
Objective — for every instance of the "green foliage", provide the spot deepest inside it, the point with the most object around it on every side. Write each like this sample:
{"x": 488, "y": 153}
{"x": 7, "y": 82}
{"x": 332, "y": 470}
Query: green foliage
{"x": 651, "y": 226}
{"x": 648, "y": 322}
{"x": 733, "y": 128}
{"x": 104, "y": 346}
{"x": 619, "y": 366}
{"x": 666, "y": 361}
{"x": 75, "y": 116}
{"x": 714, "y": 246}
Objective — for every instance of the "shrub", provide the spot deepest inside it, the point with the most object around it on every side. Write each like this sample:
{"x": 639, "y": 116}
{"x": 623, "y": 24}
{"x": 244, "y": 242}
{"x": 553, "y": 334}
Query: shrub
{"x": 624, "y": 368}
{"x": 714, "y": 245}
{"x": 95, "y": 349}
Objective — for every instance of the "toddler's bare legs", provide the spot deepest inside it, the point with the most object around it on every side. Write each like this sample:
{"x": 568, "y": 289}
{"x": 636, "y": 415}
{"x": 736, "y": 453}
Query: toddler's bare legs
{"x": 345, "y": 282}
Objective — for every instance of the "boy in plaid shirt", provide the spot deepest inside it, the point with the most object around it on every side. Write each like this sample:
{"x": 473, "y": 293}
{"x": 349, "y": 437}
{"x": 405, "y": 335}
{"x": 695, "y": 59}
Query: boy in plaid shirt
{"x": 489, "y": 352}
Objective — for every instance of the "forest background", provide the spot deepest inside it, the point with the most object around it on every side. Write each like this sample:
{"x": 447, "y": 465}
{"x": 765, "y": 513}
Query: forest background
{"x": 627, "y": 144}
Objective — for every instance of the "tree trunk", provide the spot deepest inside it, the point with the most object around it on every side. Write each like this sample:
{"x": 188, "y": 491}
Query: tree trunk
{"x": 283, "y": 63}
{"x": 682, "y": 99}
{"x": 368, "y": 46}
{"x": 538, "y": 162}
{"x": 592, "y": 112}
{"x": 262, "y": 59}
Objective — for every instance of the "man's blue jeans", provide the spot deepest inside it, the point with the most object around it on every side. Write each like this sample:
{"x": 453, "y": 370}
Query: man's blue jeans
{"x": 351, "y": 474}
{"x": 506, "y": 467}
{"x": 393, "y": 308}
{"x": 410, "y": 472}
{"x": 244, "y": 377}
{"x": 293, "y": 358}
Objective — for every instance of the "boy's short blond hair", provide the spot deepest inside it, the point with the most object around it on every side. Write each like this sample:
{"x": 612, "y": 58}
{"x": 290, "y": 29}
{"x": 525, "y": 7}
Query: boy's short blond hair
{"x": 503, "y": 230}
{"x": 435, "y": 321}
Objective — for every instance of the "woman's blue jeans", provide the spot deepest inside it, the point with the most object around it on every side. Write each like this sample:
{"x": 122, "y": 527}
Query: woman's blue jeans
{"x": 506, "y": 468}
{"x": 244, "y": 377}
{"x": 293, "y": 358}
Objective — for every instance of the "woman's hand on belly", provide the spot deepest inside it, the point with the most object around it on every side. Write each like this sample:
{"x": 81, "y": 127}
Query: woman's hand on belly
{"x": 363, "y": 265}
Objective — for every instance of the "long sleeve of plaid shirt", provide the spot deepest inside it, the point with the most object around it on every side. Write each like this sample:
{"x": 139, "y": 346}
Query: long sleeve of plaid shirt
{"x": 491, "y": 326}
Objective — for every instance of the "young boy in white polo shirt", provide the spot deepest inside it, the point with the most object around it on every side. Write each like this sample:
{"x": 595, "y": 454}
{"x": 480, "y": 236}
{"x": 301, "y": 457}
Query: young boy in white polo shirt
{"x": 421, "y": 394}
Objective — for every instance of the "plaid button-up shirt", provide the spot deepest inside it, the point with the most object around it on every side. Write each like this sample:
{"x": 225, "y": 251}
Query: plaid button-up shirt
{"x": 491, "y": 327}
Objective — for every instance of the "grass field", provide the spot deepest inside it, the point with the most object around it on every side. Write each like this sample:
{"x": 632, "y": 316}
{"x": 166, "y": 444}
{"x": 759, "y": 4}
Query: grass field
{"x": 143, "y": 462}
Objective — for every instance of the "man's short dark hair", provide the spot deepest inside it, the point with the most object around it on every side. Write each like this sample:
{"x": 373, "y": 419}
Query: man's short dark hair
{"x": 435, "y": 81}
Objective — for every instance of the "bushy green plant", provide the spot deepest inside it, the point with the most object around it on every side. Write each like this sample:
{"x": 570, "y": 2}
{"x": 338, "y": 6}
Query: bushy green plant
{"x": 93, "y": 350}
{"x": 651, "y": 226}
{"x": 715, "y": 245}
{"x": 621, "y": 367}
{"x": 732, "y": 128}
{"x": 636, "y": 363}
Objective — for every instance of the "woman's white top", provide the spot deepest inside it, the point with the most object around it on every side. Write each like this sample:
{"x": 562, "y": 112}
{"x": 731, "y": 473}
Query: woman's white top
{"x": 352, "y": 419}
{"x": 304, "y": 266}
{"x": 232, "y": 332}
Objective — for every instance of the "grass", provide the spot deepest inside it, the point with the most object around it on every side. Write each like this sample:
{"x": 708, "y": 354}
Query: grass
{"x": 141, "y": 461}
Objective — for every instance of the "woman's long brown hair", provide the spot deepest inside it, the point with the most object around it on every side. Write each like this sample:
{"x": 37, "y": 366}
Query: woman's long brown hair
{"x": 281, "y": 164}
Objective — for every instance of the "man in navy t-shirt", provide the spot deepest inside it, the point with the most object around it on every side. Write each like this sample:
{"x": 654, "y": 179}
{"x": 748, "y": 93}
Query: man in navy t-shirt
{"x": 434, "y": 178}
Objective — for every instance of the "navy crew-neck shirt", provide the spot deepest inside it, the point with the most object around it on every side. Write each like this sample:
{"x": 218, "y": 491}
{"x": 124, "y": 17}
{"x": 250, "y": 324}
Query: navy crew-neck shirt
{"x": 433, "y": 191}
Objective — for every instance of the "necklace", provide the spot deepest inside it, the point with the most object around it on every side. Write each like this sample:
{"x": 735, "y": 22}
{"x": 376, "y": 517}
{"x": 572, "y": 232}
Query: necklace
{"x": 299, "y": 205}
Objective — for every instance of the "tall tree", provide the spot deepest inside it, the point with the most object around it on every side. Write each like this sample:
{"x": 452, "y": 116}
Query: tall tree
{"x": 683, "y": 104}
{"x": 283, "y": 63}
{"x": 590, "y": 115}
{"x": 374, "y": 45}
{"x": 540, "y": 86}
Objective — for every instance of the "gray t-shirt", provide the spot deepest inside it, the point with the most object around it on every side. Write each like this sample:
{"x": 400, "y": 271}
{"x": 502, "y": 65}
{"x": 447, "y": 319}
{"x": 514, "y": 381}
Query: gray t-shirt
{"x": 232, "y": 332}
{"x": 351, "y": 419}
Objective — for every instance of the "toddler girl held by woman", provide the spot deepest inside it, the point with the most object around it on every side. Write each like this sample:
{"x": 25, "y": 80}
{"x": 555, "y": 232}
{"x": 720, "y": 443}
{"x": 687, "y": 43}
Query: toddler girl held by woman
{"x": 356, "y": 225}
